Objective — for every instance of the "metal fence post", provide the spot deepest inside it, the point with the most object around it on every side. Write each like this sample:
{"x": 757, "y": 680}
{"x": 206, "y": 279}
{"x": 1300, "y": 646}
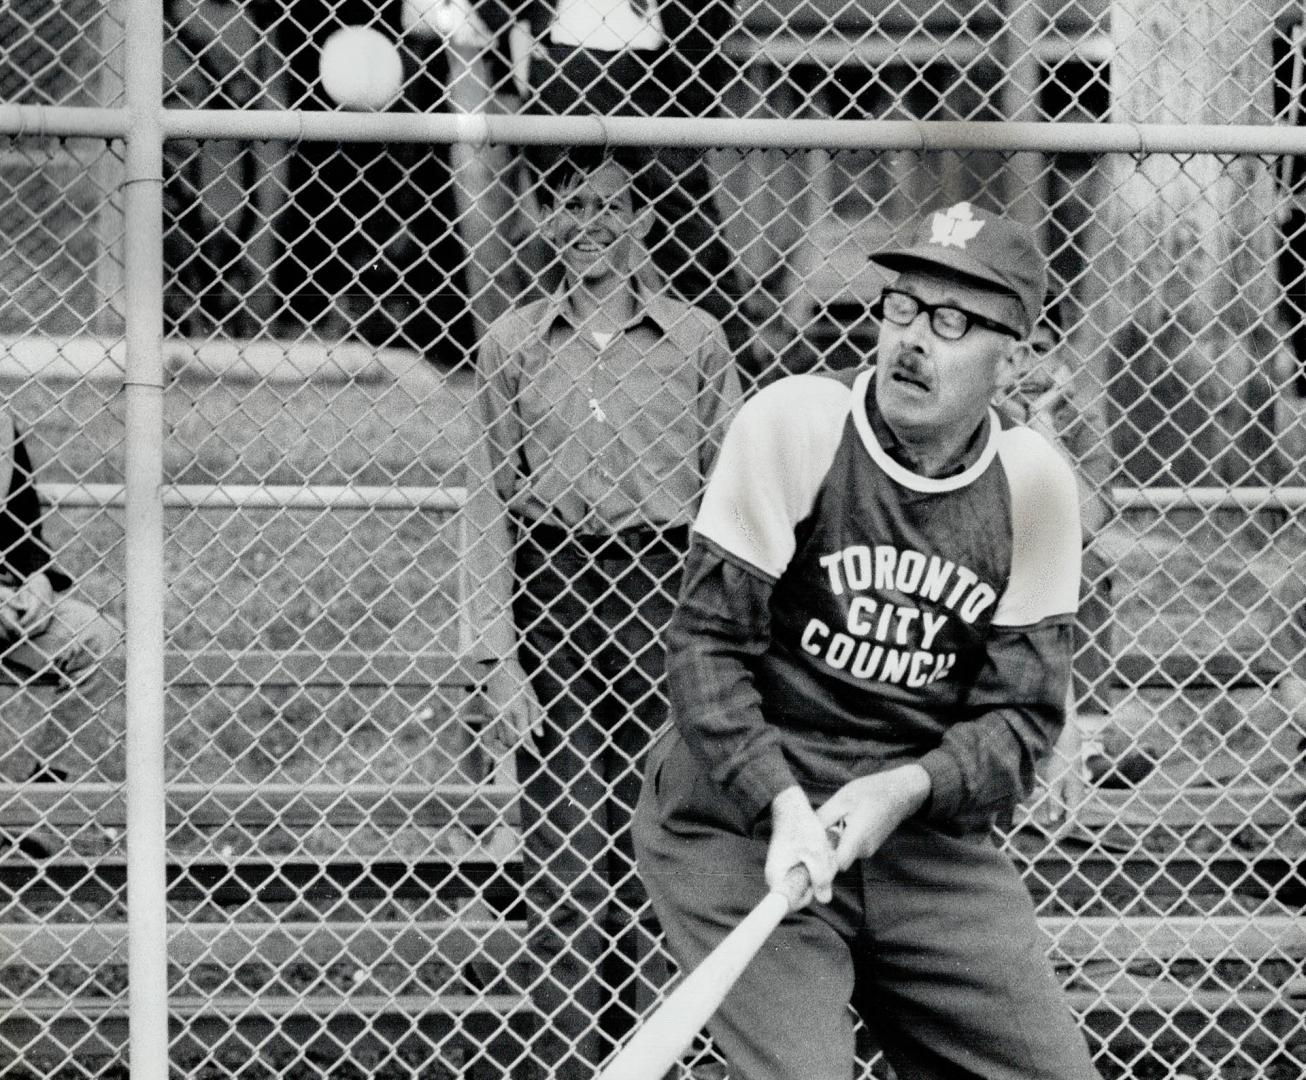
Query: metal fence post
{"x": 143, "y": 273}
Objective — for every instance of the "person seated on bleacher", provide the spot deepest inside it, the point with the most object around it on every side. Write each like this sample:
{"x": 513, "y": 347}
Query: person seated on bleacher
{"x": 50, "y": 638}
{"x": 603, "y": 407}
{"x": 1044, "y": 398}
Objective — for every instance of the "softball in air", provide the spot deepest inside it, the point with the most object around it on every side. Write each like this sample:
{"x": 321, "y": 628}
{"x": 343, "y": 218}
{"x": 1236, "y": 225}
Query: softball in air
{"x": 361, "y": 69}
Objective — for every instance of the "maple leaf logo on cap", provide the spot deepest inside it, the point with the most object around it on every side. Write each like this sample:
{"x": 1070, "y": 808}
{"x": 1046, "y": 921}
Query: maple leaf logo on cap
{"x": 955, "y": 227}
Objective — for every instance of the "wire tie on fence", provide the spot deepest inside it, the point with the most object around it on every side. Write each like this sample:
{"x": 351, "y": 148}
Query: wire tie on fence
{"x": 24, "y": 114}
{"x": 128, "y": 181}
{"x": 471, "y": 129}
{"x": 918, "y": 126}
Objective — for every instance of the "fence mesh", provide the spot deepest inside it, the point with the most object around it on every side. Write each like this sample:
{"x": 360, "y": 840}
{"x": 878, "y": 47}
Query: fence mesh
{"x": 349, "y": 888}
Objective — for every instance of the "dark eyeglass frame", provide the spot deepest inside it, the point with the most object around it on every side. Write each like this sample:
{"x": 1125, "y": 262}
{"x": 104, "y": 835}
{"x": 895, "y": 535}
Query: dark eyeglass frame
{"x": 968, "y": 318}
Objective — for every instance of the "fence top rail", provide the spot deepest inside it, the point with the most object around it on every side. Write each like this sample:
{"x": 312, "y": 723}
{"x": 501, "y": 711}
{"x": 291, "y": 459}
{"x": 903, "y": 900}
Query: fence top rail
{"x": 448, "y": 499}
{"x": 778, "y": 133}
{"x": 761, "y": 133}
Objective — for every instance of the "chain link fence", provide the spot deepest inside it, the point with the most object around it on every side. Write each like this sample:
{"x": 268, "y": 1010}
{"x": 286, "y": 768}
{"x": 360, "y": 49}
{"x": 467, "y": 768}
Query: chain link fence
{"x": 348, "y": 887}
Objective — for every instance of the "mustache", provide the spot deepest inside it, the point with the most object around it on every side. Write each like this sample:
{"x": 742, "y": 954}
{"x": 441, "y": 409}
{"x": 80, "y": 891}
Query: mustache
{"x": 908, "y": 361}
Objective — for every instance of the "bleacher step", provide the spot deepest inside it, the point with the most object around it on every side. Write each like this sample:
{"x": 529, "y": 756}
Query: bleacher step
{"x": 1157, "y": 803}
{"x": 455, "y": 940}
{"x": 1120, "y": 996}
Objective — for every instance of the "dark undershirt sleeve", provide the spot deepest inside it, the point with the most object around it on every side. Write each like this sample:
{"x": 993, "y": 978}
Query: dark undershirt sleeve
{"x": 721, "y": 627}
{"x": 985, "y": 764}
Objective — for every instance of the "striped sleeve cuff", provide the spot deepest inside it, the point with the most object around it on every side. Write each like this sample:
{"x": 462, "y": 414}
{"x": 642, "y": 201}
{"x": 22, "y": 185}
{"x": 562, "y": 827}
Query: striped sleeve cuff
{"x": 758, "y": 783}
{"x": 947, "y": 787}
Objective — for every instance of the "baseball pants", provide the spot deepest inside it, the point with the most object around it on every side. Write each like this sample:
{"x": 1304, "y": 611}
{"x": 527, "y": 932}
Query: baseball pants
{"x": 933, "y": 942}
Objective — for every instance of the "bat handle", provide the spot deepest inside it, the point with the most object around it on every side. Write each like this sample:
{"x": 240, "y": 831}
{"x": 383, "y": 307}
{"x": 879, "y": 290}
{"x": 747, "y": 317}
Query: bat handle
{"x": 796, "y": 882}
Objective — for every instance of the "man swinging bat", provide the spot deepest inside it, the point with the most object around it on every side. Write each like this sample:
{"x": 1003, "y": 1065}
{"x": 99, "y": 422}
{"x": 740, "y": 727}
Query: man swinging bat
{"x": 874, "y": 631}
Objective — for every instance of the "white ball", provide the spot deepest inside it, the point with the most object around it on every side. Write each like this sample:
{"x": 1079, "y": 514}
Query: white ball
{"x": 360, "y": 68}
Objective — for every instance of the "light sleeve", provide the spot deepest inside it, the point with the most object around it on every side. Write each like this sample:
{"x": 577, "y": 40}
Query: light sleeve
{"x": 1015, "y": 709}
{"x": 1045, "y": 531}
{"x": 773, "y": 460}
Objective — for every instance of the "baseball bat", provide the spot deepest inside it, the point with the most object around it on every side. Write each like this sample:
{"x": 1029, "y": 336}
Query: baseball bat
{"x": 664, "y": 1036}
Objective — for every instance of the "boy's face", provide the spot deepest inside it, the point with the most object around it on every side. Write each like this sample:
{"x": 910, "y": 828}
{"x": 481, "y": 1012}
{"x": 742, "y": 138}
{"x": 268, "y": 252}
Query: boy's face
{"x": 1037, "y": 361}
{"x": 594, "y": 225}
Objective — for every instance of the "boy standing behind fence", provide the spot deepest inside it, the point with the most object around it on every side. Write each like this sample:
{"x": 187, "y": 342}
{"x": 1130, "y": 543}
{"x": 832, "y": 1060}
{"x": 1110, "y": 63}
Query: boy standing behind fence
{"x": 603, "y": 408}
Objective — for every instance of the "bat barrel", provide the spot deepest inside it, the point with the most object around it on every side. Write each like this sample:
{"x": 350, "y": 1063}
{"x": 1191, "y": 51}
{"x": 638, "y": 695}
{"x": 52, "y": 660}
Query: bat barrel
{"x": 660, "y": 1041}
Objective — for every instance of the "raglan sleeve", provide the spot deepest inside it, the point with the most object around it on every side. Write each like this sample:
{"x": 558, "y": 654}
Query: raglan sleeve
{"x": 771, "y": 461}
{"x": 986, "y": 762}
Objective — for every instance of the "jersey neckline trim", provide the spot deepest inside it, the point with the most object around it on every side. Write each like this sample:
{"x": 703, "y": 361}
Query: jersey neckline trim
{"x": 900, "y": 474}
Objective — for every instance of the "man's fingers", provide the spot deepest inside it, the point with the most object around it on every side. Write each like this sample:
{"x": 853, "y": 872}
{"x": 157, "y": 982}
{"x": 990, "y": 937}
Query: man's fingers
{"x": 824, "y": 892}
{"x": 832, "y": 813}
{"x": 819, "y": 880}
{"x": 494, "y": 740}
{"x": 821, "y": 868}
{"x": 802, "y": 851}
{"x": 526, "y": 716}
{"x": 845, "y": 852}
{"x": 34, "y": 618}
{"x": 1053, "y": 807}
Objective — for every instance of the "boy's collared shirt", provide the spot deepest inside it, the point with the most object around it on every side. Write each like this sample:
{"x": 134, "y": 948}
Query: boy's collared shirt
{"x": 597, "y": 438}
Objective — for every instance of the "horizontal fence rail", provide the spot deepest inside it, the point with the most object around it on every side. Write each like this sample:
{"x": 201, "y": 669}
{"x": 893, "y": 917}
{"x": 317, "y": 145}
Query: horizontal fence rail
{"x": 447, "y": 500}
{"x": 492, "y": 129}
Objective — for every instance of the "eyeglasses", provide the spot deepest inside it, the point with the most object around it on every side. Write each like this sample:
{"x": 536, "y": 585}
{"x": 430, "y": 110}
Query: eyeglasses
{"x": 948, "y": 321}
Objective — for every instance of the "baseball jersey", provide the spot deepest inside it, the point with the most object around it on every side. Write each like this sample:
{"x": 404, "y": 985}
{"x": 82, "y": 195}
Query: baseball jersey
{"x": 906, "y": 617}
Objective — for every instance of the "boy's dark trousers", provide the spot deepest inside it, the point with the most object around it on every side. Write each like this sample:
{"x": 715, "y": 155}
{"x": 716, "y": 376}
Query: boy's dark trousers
{"x": 590, "y": 615}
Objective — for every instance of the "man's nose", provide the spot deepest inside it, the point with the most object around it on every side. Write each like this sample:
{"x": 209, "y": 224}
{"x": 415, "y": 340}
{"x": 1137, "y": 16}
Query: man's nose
{"x": 918, "y": 332}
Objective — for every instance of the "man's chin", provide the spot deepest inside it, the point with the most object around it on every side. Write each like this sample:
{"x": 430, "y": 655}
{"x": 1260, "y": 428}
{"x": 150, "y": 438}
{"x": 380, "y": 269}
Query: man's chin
{"x": 905, "y": 405}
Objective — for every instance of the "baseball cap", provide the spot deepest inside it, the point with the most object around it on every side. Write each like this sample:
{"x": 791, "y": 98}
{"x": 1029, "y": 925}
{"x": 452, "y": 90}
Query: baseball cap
{"x": 984, "y": 247}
